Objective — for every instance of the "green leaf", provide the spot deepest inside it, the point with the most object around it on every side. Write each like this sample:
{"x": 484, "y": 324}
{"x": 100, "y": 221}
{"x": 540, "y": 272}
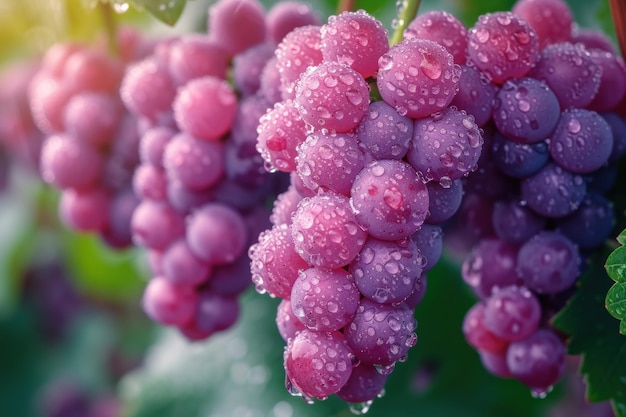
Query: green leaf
{"x": 616, "y": 264}
{"x": 616, "y": 301}
{"x": 592, "y": 335}
{"x": 167, "y": 11}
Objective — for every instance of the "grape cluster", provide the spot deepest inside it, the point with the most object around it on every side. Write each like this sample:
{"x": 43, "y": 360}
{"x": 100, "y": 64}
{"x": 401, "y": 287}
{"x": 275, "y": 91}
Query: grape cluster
{"x": 355, "y": 233}
{"x": 537, "y": 203}
{"x": 202, "y": 186}
{"x": 90, "y": 150}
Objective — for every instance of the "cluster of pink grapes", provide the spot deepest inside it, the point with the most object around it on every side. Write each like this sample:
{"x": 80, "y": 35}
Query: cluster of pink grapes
{"x": 357, "y": 229}
{"x": 202, "y": 186}
{"x": 537, "y": 203}
{"x": 90, "y": 149}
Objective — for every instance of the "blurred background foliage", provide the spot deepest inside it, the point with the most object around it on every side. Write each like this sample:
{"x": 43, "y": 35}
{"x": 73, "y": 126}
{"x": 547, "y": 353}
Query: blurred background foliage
{"x": 73, "y": 337}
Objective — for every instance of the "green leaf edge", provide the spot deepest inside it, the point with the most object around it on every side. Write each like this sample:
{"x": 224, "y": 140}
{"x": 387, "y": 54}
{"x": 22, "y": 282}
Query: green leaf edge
{"x": 167, "y": 11}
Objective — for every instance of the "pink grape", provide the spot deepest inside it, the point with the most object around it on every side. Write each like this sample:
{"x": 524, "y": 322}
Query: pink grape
{"x": 441, "y": 27}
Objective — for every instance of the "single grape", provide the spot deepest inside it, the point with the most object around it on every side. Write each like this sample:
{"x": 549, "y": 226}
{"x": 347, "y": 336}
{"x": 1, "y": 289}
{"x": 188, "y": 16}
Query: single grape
{"x": 445, "y": 146}
{"x": 429, "y": 241}
{"x": 156, "y": 224}
{"x": 548, "y": 262}
{"x": 386, "y": 271}
{"x": 85, "y": 210}
{"x": 285, "y": 16}
{"x": 195, "y": 163}
{"x": 193, "y": 56}
{"x": 248, "y": 65}
{"x": 148, "y": 90}
{"x": 514, "y": 222}
{"x": 332, "y": 96}
{"x": 389, "y": 199}
{"x": 475, "y": 94}
{"x": 325, "y": 231}
{"x": 181, "y": 267}
{"x": 355, "y": 39}
{"x": 417, "y": 77}
{"x": 150, "y": 183}
{"x": 441, "y": 27}
{"x": 169, "y": 304}
{"x": 518, "y": 160}
{"x": 591, "y": 224}
{"x": 287, "y": 323}
{"x": 552, "y": 20}
{"x": 512, "y": 313}
{"x": 477, "y": 334}
{"x": 236, "y": 25}
{"x": 443, "y": 202}
{"x": 318, "y": 364}
{"x": 364, "y": 385}
{"x": 299, "y": 50}
{"x": 324, "y": 299}
{"x": 383, "y": 132}
{"x": 329, "y": 161}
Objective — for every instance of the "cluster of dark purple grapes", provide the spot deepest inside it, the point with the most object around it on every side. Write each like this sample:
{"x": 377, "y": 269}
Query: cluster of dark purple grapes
{"x": 202, "y": 185}
{"x": 357, "y": 229}
{"x": 537, "y": 203}
{"x": 90, "y": 151}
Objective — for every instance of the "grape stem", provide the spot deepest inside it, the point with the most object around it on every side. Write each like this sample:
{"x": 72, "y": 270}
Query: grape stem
{"x": 406, "y": 13}
{"x": 110, "y": 26}
{"x": 346, "y": 6}
{"x": 618, "y": 12}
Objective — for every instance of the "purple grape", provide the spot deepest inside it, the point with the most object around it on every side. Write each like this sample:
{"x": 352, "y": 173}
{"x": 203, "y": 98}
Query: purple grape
{"x": 285, "y": 206}
{"x": 230, "y": 279}
{"x": 318, "y": 364}
{"x": 280, "y": 131}
{"x": 475, "y": 94}
{"x": 445, "y": 146}
{"x": 148, "y": 90}
{"x": 93, "y": 118}
{"x": 548, "y": 263}
{"x": 249, "y": 111}
{"x": 570, "y": 73}
{"x": 193, "y": 56}
{"x": 581, "y": 142}
{"x": 329, "y": 161}
{"x": 215, "y": 312}
{"x": 591, "y": 224}
{"x": 156, "y": 224}
{"x": 417, "y": 295}
{"x": 429, "y": 241}
{"x": 121, "y": 210}
{"x": 167, "y": 303}
{"x": 270, "y": 82}
{"x": 324, "y": 299}
{"x": 364, "y": 385}
{"x": 495, "y": 363}
{"x": 184, "y": 199}
{"x": 417, "y": 77}
{"x": 512, "y": 313}
{"x": 205, "y": 107}
{"x": 274, "y": 262}
{"x": 491, "y": 265}
{"x": 553, "y": 191}
{"x": 373, "y": 323}
{"x": 592, "y": 39}
{"x": 285, "y": 16}
{"x": 355, "y": 39}
{"x": 325, "y": 231}
{"x": 216, "y": 234}
{"x": 538, "y": 361}
{"x": 332, "y": 96}
{"x": 287, "y": 323}
{"x": 518, "y": 160}
{"x": 152, "y": 145}
{"x": 525, "y": 110}
{"x": 502, "y": 45}
{"x": 150, "y": 183}
{"x": 618, "y": 128}
{"x": 67, "y": 162}
{"x": 386, "y": 271}
{"x": 514, "y": 222}
{"x": 443, "y": 202}
{"x": 299, "y": 50}
{"x": 441, "y": 27}
{"x": 244, "y": 165}
{"x": 604, "y": 179}
{"x": 612, "y": 81}
{"x": 248, "y": 65}
{"x": 197, "y": 164}
{"x": 383, "y": 132}
{"x": 181, "y": 267}
{"x": 477, "y": 334}
{"x": 552, "y": 20}
{"x": 85, "y": 210}
{"x": 236, "y": 25}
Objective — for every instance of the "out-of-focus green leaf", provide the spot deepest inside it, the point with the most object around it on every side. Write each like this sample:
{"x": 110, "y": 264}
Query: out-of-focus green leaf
{"x": 616, "y": 269}
{"x": 167, "y": 11}
{"x": 593, "y": 335}
{"x": 102, "y": 271}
